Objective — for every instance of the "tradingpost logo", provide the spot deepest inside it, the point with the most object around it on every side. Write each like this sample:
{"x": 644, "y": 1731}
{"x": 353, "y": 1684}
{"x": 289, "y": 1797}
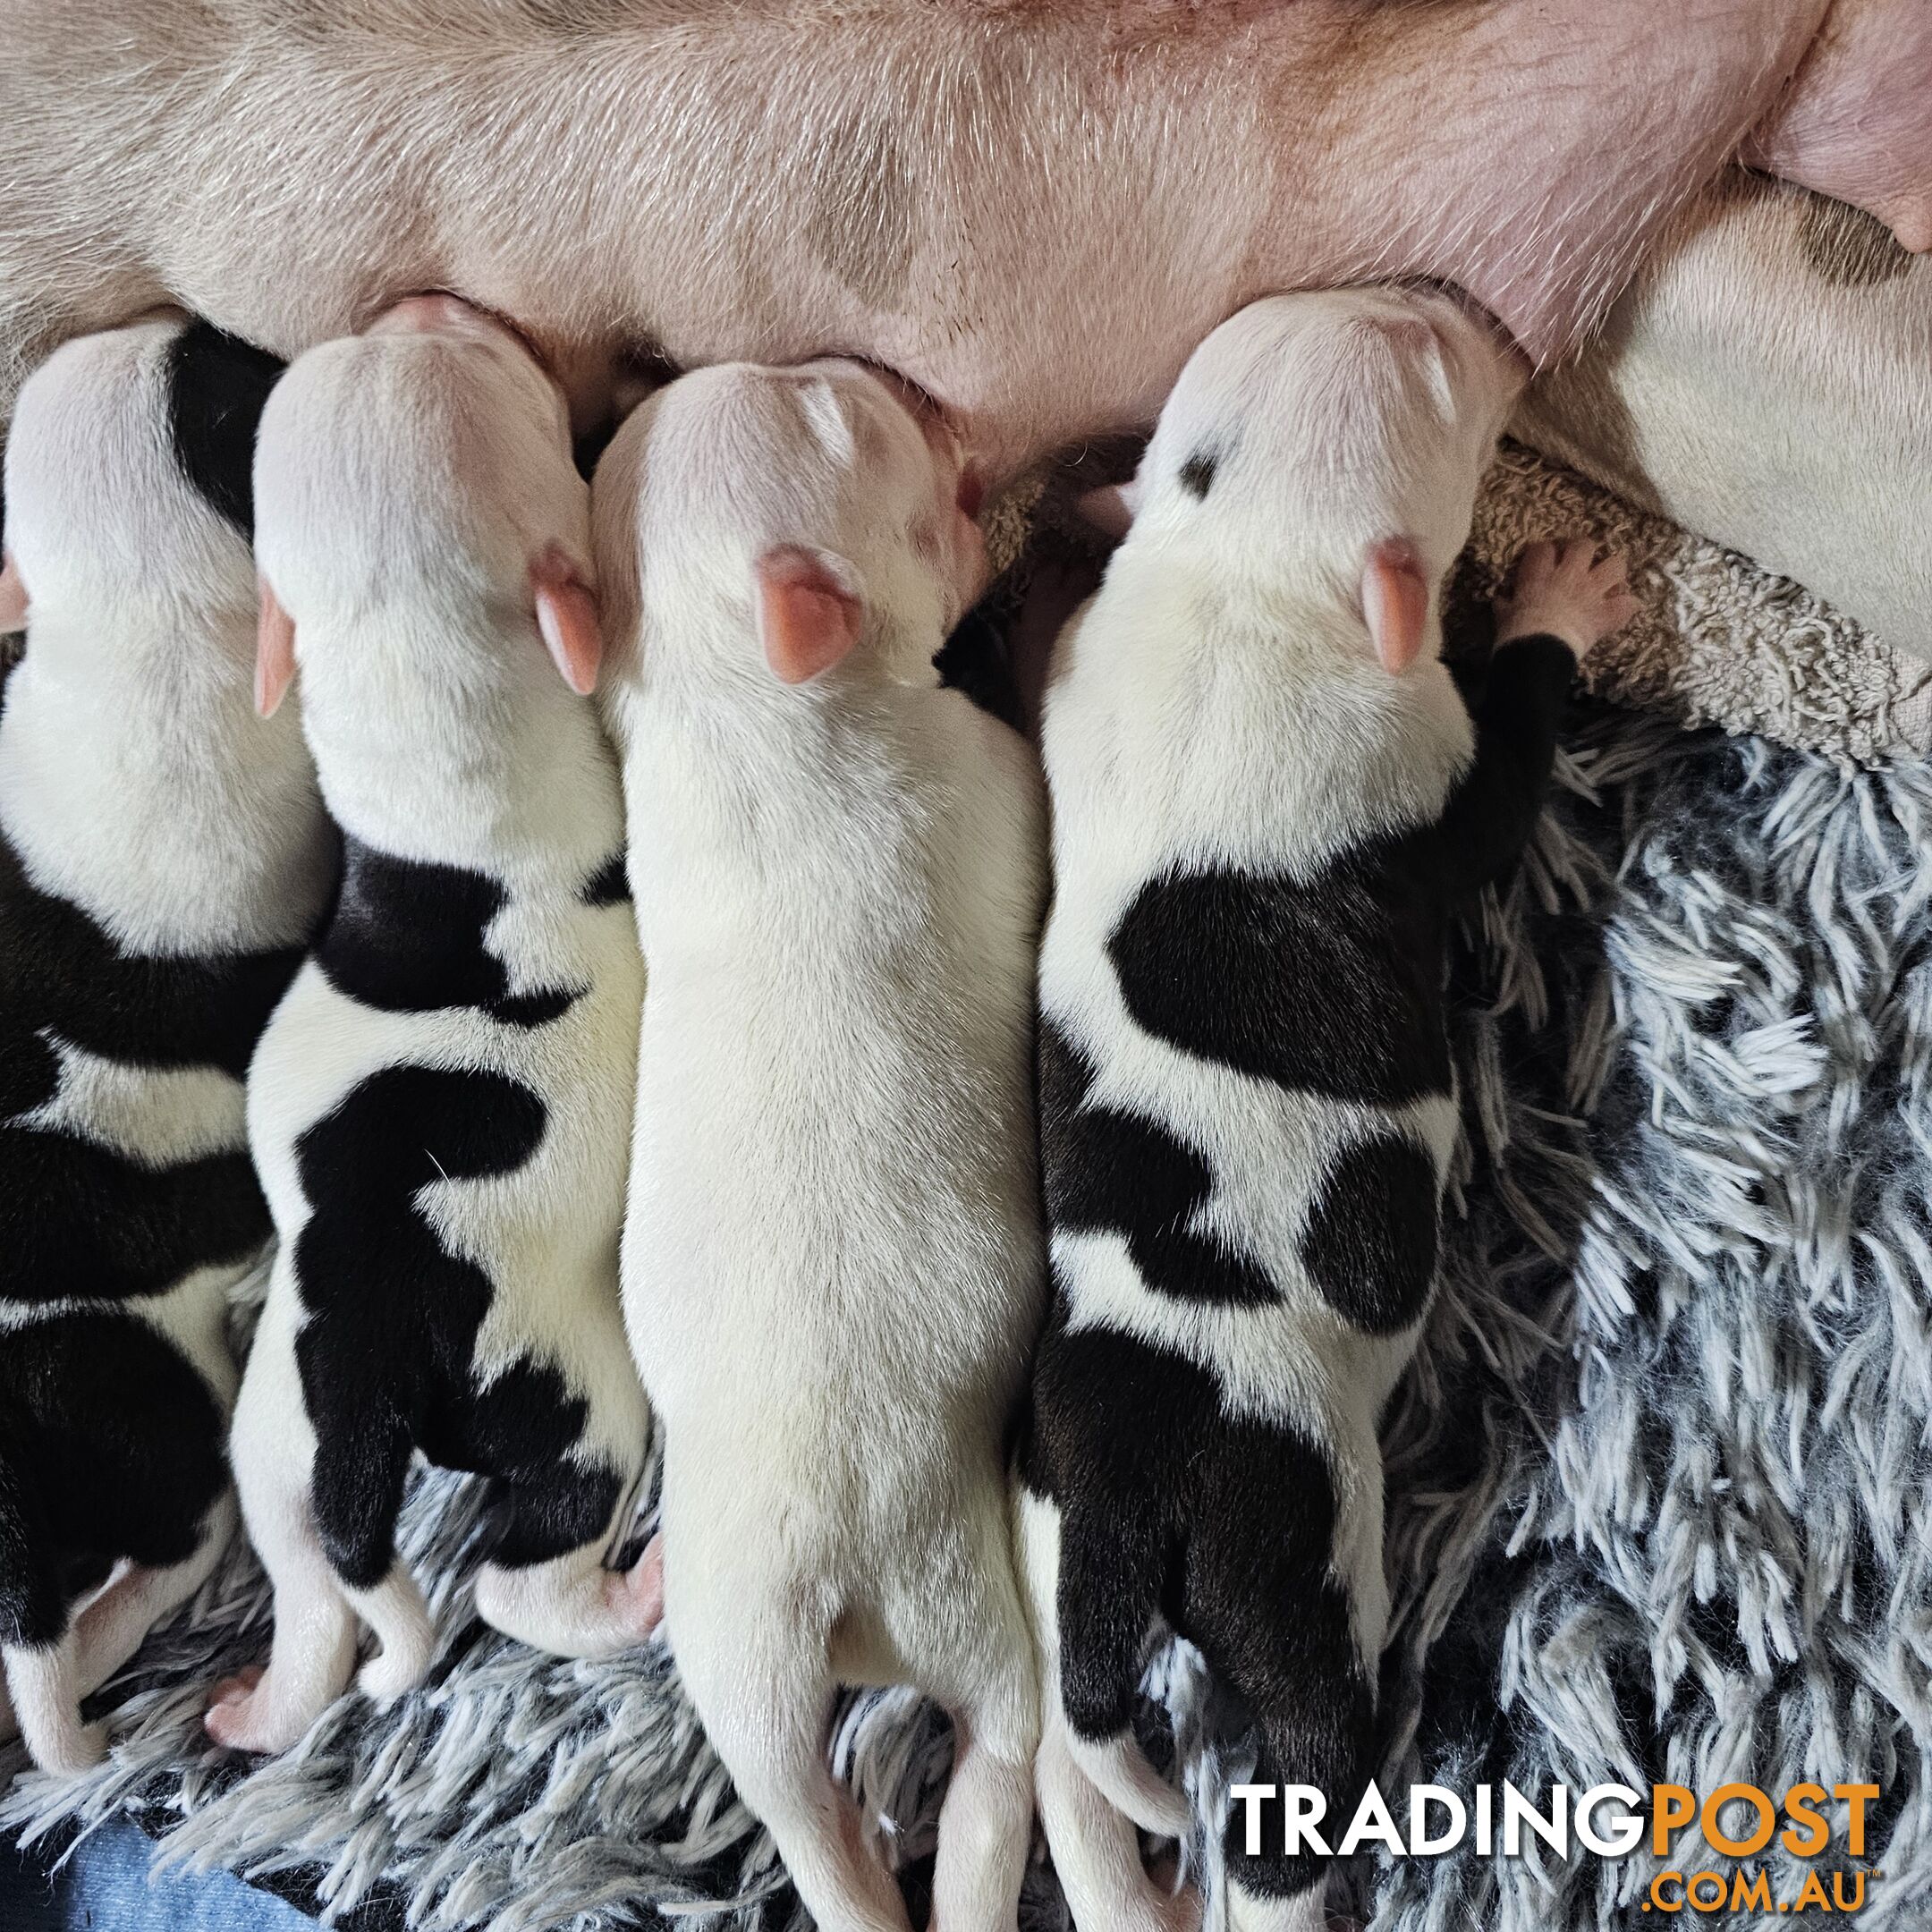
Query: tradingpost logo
{"x": 1687, "y": 1832}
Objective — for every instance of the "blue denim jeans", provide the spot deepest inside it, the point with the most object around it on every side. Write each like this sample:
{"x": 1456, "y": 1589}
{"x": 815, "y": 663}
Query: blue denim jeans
{"x": 106, "y": 1887}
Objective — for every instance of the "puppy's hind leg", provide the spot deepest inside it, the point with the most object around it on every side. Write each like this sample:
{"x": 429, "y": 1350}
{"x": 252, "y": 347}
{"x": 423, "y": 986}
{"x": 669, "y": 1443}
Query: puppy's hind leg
{"x": 40, "y": 1657}
{"x": 1289, "y": 1607}
{"x": 1113, "y": 1561}
{"x": 546, "y": 1585}
{"x": 273, "y": 1451}
{"x": 112, "y": 1628}
{"x": 45, "y": 1684}
{"x": 762, "y": 1687}
{"x": 356, "y": 1481}
{"x": 406, "y": 1631}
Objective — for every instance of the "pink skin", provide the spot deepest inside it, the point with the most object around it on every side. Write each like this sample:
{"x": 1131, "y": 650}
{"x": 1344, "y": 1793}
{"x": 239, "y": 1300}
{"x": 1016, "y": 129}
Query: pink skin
{"x": 1564, "y": 589}
{"x": 1035, "y": 212}
{"x": 1858, "y": 123}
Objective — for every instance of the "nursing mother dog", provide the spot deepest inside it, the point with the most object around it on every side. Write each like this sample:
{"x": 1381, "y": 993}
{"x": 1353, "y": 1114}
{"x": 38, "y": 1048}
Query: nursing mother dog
{"x": 832, "y": 1270}
{"x": 440, "y": 1107}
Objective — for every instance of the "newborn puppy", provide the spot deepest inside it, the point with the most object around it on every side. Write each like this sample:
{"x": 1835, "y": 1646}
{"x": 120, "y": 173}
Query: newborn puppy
{"x": 162, "y": 854}
{"x": 1268, "y": 801}
{"x": 832, "y": 1267}
{"x": 440, "y": 1109}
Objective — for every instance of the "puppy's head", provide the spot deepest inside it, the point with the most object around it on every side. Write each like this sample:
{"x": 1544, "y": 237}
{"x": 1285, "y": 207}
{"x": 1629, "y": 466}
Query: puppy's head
{"x": 414, "y": 492}
{"x": 826, "y": 504}
{"x": 105, "y": 528}
{"x": 1333, "y": 440}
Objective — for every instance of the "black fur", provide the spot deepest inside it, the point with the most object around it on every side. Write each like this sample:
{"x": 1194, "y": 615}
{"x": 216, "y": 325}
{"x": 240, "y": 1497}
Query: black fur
{"x": 1334, "y": 986}
{"x": 1197, "y": 473}
{"x": 217, "y": 387}
{"x": 77, "y": 1218}
{"x": 62, "y": 971}
{"x": 609, "y": 885}
{"x": 1518, "y": 714}
{"x": 386, "y": 1352}
{"x": 407, "y": 936}
{"x": 1222, "y": 1525}
{"x": 389, "y": 1342}
{"x": 1226, "y": 1524}
{"x": 1369, "y": 1244}
{"x": 1108, "y": 1170}
{"x": 110, "y": 1443}
{"x": 110, "y": 1446}
{"x": 88, "y": 1221}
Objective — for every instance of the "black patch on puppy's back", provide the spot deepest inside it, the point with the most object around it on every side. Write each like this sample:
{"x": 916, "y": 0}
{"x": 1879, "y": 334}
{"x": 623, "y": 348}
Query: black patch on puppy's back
{"x": 60, "y": 969}
{"x": 218, "y": 387}
{"x": 111, "y": 1446}
{"x": 1110, "y": 1172}
{"x": 1332, "y": 988}
{"x": 82, "y": 1220}
{"x": 408, "y": 935}
{"x": 609, "y": 885}
{"x": 1370, "y": 1242}
{"x": 77, "y": 1218}
{"x": 386, "y": 1352}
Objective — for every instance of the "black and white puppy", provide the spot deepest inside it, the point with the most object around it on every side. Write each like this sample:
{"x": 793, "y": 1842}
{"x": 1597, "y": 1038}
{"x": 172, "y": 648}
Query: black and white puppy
{"x": 1268, "y": 801}
{"x": 441, "y": 1107}
{"x": 163, "y": 856}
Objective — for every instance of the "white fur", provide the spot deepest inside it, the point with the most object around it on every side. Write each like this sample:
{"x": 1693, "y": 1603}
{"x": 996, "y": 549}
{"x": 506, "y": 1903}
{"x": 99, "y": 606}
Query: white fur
{"x": 137, "y": 783}
{"x": 405, "y": 484}
{"x": 832, "y": 1266}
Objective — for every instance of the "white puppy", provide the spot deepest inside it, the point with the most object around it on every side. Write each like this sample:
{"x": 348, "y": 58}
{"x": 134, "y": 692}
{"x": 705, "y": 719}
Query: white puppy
{"x": 163, "y": 856}
{"x": 440, "y": 1108}
{"x": 832, "y": 1267}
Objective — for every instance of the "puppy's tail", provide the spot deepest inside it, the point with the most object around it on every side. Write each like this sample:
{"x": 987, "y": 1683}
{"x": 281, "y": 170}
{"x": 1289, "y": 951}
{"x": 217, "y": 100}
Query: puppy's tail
{"x": 759, "y": 1675}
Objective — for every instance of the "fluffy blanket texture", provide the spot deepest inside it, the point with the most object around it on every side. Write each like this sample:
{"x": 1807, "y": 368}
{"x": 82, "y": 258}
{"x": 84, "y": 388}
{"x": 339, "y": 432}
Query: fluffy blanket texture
{"x": 1658, "y": 1483}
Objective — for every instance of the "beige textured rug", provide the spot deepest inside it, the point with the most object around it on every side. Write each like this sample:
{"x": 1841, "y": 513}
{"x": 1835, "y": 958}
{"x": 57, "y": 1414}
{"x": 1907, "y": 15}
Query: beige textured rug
{"x": 1718, "y": 640}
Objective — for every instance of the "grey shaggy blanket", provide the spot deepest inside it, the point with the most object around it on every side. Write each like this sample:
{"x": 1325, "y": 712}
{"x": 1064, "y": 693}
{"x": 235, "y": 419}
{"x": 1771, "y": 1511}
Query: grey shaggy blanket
{"x": 1658, "y": 1483}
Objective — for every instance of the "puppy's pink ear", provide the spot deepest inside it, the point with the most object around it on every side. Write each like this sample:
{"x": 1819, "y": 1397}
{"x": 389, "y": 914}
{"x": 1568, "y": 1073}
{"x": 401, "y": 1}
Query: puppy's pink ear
{"x": 567, "y": 616}
{"x": 808, "y": 611}
{"x": 1112, "y": 508}
{"x": 275, "y": 652}
{"x": 13, "y": 596}
{"x": 1395, "y": 600}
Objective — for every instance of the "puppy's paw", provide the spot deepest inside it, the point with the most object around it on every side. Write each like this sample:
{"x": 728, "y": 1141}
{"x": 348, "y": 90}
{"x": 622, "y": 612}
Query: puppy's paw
{"x": 399, "y": 1666}
{"x": 1564, "y": 591}
{"x": 76, "y": 1750}
{"x": 241, "y": 1714}
{"x": 637, "y": 1593}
